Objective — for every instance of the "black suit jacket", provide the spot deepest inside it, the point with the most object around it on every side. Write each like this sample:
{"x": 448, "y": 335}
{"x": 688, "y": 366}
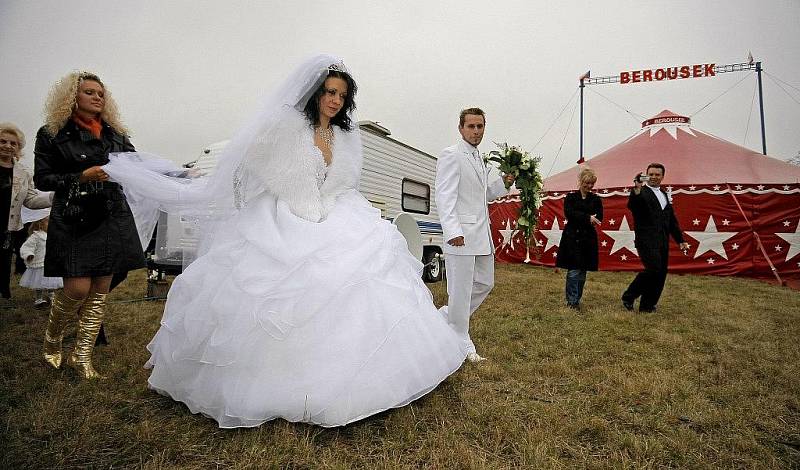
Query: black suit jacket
{"x": 652, "y": 224}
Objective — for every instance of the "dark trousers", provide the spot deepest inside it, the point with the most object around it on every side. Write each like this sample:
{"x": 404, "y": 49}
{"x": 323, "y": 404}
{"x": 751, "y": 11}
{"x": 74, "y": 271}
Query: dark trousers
{"x": 17, "y": 239}
{"x": 5, "y": 272}
{"x": 649, "y": 284}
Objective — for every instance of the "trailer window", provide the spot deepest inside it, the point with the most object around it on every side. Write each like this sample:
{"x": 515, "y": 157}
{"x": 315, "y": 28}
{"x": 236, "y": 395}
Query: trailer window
{"x": 416, "y": 197}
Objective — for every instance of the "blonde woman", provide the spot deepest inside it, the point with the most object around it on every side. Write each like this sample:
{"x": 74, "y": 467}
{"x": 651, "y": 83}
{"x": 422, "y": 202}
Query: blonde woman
{"x": 16, "y": 190}
{"x": 578, "y": 250}
{"x": 92, "y": 235}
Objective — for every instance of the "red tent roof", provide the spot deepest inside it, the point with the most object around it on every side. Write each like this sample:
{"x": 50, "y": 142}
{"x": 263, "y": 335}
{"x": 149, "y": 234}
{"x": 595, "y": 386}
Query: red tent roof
{"x": 690, "y": 157}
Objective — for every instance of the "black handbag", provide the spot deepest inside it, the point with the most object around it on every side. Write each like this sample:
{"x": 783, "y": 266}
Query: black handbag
{"x": 87, "y": 206}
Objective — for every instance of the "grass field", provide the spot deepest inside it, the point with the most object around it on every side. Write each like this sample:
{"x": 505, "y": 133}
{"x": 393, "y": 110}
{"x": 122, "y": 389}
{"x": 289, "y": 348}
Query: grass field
{"x": 710, "y": 381}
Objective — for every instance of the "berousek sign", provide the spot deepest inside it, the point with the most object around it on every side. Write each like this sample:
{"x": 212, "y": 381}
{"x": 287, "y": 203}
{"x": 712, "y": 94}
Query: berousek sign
{"x": 669, "y": 73}
{"x": 667, "y": 120}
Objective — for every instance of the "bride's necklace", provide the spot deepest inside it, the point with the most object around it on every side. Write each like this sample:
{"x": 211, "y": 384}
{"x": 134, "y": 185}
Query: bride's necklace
{"x": 326, "y": 134}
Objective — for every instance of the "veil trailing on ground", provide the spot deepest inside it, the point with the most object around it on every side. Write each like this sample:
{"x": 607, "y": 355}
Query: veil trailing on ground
{"x": 152, "y": 183}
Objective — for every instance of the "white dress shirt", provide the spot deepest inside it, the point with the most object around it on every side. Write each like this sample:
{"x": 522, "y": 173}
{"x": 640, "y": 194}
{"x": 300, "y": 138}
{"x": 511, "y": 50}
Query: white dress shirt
{"x": 662, "y": 198}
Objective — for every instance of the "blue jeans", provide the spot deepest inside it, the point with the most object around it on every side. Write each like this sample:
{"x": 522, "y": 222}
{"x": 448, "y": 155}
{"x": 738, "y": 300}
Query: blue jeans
{"x": 576, "y": 278}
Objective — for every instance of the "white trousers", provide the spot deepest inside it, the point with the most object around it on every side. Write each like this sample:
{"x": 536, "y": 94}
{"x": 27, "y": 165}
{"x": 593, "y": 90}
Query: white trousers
{"x": 470, "y": 278}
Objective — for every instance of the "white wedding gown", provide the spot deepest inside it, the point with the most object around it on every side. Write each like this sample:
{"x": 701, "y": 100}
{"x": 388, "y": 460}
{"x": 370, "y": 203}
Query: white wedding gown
{"x": 321, "y": 322}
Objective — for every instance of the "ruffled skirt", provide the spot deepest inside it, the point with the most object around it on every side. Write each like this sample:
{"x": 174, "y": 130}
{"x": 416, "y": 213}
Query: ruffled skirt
{"x": 34, "y": 278}
{"x": 324, "y": 323}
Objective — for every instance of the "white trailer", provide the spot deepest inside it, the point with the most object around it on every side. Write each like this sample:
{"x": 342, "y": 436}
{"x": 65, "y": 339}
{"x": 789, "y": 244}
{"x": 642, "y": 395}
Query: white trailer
{"x": 396, "y": 178}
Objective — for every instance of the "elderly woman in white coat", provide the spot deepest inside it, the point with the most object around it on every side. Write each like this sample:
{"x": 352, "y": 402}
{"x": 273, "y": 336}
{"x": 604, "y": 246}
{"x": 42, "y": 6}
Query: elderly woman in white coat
{"x": 16, "y": 190}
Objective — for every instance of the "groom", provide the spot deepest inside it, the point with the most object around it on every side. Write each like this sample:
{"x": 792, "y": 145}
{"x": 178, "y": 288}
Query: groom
{"x": 463, "y": 188}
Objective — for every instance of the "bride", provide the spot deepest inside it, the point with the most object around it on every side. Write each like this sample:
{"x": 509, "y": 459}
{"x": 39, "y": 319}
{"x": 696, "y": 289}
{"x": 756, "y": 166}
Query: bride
{"x": 303, "y": 304}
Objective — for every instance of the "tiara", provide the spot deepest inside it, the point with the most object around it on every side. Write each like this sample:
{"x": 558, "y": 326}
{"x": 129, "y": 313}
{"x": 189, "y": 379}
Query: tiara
{"x": 339, "y": 67}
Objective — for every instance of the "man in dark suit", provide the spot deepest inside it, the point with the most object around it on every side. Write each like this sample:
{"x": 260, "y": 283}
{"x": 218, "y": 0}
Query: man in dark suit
{"x": 654, "y": 221}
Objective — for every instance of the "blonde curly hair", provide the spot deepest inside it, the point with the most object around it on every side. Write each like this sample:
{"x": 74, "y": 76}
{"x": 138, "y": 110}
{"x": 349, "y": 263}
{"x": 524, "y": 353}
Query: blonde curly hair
{"x": 11, "y": 128}
{"x": 62, "y": 100}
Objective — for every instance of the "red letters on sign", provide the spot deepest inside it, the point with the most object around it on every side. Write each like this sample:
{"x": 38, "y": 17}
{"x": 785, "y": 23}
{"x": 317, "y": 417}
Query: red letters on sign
{"x": 672, "y": 73}
{"x": 669, "y": 73}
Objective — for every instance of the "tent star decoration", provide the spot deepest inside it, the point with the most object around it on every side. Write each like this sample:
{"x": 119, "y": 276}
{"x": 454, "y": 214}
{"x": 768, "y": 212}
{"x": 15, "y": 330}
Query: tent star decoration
{"x": 623, "y": 238}
{"x": 793, "y": 239}
{"x": 711, "y": 240}
{"x": 553, "y": 235}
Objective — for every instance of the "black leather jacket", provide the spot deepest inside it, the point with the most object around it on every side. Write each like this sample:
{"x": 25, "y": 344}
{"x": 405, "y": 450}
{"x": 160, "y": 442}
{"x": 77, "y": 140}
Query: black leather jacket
{"x": 60, "y": 160}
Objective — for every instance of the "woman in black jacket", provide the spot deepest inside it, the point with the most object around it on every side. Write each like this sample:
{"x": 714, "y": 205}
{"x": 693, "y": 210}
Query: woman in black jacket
{"x": 578, "y": 250}
{"x": 92, "y": 235}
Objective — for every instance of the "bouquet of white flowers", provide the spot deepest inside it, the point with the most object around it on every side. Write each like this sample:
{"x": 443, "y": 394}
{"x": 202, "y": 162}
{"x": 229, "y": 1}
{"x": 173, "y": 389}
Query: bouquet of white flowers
{"x": 525, "y": 168}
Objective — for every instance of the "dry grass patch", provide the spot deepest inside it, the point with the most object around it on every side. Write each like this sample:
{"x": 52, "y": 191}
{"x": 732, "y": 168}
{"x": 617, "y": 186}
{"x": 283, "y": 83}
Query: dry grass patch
{"x": 709, "y": 381}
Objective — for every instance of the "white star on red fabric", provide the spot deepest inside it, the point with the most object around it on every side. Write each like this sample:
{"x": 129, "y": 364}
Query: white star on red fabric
{"x": 605, "y": 191}
{"x": 553, "y": 235}
{"x": 696, "y": 222}
{"x": 726, "y": 222}
{"x": 711, "y": 240}
{"x": 785, "y": 187}
{"x": 623, "y": 238}
{"x": 716, "y": 187}
{"x": 691, "y": 188}
{"x": 738, "y": 187}
{"x": 793, "y": 239}
{"x": 624, "y": 257}
{"x": 735, "y": 246}
{"x": 760, "y": 187}
{"x": 778, "y": 248}
{"x": 612, "y": 221}
{"x": 711, "y": 260}
{"x": 603, "y": 243}
{"x": 786, "y": 223}
{"x": 507, "y": 235}
{"x": 555, "y": 254}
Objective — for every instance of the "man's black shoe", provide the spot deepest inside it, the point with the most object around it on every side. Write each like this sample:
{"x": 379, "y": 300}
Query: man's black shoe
{"x": 627, "y": 304}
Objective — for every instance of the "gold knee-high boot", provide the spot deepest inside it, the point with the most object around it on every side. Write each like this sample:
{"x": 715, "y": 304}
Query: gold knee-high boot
{"x": 62, "y": 308}
{"x": 94, "y": 308}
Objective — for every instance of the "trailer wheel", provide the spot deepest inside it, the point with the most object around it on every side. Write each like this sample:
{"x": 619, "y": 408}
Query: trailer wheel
{"x": 433, "y": 267}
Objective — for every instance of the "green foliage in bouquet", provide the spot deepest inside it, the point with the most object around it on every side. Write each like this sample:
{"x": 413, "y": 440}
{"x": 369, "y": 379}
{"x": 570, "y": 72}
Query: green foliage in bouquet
{"x": 512, "y": 160}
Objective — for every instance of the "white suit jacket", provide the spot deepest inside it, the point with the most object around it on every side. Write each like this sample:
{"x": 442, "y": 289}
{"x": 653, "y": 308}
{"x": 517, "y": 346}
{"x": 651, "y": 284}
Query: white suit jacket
{"x": 462, "y": 194}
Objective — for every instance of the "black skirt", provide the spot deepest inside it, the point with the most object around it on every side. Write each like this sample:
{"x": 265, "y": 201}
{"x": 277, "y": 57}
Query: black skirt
{"x": 108, "y": 244}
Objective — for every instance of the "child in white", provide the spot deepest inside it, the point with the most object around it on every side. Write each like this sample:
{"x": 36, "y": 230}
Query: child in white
{"x": 32, "y": 251}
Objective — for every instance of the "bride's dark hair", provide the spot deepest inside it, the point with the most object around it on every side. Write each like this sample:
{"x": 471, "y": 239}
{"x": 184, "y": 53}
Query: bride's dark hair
{"x": 342, "y": 118}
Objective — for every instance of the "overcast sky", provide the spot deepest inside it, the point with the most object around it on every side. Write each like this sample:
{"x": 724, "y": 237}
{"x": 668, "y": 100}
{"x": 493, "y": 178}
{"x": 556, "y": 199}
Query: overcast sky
{"x": 187, "y": 73}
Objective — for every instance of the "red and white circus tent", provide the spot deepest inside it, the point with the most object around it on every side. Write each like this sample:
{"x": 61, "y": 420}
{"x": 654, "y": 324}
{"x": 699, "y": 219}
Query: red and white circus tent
{"x": 739, "y": 210}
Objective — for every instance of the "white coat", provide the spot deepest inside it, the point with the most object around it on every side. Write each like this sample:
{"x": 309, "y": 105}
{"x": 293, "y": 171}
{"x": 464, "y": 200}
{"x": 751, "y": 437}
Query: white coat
{"x": 34, "y": 246}
{"x": 24, "y": 193}
{"x": 462, "y": 193}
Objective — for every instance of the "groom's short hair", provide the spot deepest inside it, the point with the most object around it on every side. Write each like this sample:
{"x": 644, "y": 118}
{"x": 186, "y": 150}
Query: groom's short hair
{"x": 475, "y": 111}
